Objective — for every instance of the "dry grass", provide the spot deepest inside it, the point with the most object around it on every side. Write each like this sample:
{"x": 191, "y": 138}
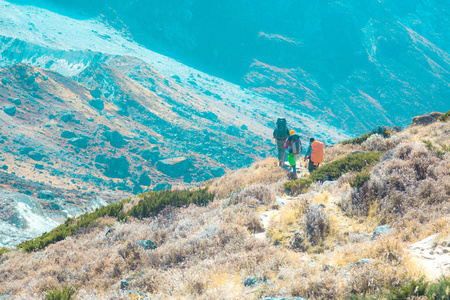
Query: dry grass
{"x": 266, "y": 172}
{"x": 209, "y": 252}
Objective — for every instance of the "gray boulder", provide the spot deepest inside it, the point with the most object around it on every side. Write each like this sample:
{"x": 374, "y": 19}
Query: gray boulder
{"x": 162, "y": 187}
{"x": 46, "y": 194}
{"x": 361, "y": 262}
{"x": 117, "y": 167}
{"x": 174, "y": 167}
{"x": 68, "y": 135}
{"x": 36, "y": 155}
{"x": 66, "y": 118}
{"x": 114, "y": 138}
{"x": 284, "y": 298}
{"x": 217, "y": 172}
{"x": 233, "y": 130}
{"x": 151, "y": 155}
{"x": 381, "y": 230}
{"x": 144, "y": 179}
{"x": 97, "y": 103}
{"x": 17, "y": 101}
{"x": 26, "y": 150}
{"x": 79, "y": 142}
{"x": 10, "y": 110}
{"x": 96, "y": 93}
{"x": 146, "y": 244}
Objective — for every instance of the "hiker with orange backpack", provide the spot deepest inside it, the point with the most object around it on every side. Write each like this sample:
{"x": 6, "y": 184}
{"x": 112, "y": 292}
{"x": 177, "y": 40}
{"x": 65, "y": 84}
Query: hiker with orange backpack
{"x": 314, "y": 154}
{"x": 294, "y": 145}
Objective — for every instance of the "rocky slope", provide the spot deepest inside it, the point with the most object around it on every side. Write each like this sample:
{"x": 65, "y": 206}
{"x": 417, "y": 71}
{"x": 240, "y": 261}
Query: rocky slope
{"x": 357, "y": 235}
{"x": 93, "y": 117}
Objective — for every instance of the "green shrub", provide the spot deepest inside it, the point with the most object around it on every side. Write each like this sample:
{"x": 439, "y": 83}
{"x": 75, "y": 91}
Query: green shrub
{"x": 4, "y": 250}
{"x": 299, "y": 186}
{"x": 358, "y": 140}
{"x": 439, "y": 151}
{"x": 381, "y": 130}
{"x": 66, "y": 293}
{"x": 433, "y": 291}
{"x": 412, "y": 288}
{"x": 353, "y": 162}
{"x": 445, "y": 117}
{"x": 360, "y": 179}
{"x": 153, "y": 202}
{"x": 439, "y": 290}
{"x": 333, "y": 170}
{"x": 71, "y": 226}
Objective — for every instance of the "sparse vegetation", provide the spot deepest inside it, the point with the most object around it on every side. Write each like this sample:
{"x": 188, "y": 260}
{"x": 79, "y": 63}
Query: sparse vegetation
{"x": 65, "y": 293}
{"x": 150, "y": 204}
{"x": 317, "y": 245}
{"x": 395, "y": 185}
{"x": 317, "y": 224}
{"x": 439, "y": 151}
{"x": 71, "y": 226}
{"x": 4, "y": 250}
{"x": 333, "y": 170}
{"x": 358, "y": 140}
{"x": 153, "y": 202}
{"x": 445, "y": 117}
{"x": 360, "y": 179}
{"x": 298, "y": 186}
{"x": 439, "y": 290}
{"x": 380, "y": 130}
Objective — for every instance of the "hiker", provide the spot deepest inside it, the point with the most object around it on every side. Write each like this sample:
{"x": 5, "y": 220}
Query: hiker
{"x": 281, "y": 133}
{"x": 314, "y": 154}
{"x": 292, "y": 162}
{"x": 294, "y": 145}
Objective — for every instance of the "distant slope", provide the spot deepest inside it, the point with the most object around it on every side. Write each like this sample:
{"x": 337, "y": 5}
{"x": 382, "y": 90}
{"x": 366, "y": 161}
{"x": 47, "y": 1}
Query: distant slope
{"x": 353, "y": 64}
{"x": 91, "y": 117}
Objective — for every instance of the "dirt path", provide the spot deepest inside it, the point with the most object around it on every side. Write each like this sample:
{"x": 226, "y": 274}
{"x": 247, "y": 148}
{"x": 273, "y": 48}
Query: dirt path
{"x": 433, "y": 257}
{"x": 267, "y": 215}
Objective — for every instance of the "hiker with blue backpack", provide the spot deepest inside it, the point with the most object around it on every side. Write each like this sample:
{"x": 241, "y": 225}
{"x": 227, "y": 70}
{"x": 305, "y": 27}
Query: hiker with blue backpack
{"x": 294, "y": 145}
{"x": 280, "y": 134}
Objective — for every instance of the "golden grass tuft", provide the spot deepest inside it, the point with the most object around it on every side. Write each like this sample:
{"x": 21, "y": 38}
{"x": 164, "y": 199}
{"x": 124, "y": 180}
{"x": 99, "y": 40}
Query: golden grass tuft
{"x": 266, "y": 172}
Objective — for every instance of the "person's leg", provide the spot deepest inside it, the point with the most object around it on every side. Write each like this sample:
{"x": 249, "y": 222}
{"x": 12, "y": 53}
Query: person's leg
{"x": 294, "y": 168}
{"x": 281, "y": 152}
{"x": 310, "y": 166}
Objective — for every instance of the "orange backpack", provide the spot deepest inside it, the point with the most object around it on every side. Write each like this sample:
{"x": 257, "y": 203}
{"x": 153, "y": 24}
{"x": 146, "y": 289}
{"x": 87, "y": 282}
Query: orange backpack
{"x": 317, "y": 152}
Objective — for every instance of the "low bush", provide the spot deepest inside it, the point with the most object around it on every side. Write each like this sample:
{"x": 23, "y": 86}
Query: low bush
{"x": 150, "y": 204}
{"x": 439, "y": 290}
{"x": 351, "y": 163}
{"x": 317, "y": 224}
{"x": 299, "y": 186}
{"x": 71, "y": 226}
{"x": 260, "y": 192}
{"x": 445, "y": 117}
{"x": 65, "y": 293}
{"x": 380, "y": 130}
{"x": 333, "y": 170}
{"x": 439, "y": 151}
{"x": 410, "y": 178}
{"x": 432, "y": 291}
{"x": 358, "y": 140}
{"x": 4, "y": 250}
{"x": 153, "y": 202}
{"x": 360, "y": 179}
